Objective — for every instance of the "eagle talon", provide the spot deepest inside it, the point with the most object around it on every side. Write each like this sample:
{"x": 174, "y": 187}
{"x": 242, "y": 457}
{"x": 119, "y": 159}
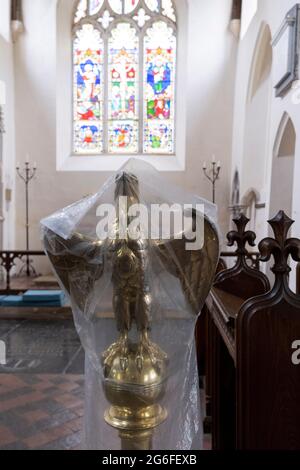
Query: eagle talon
{"x": 124, "y": 363}
{"x": 120, "y": 348}
{"x": 139, "y": 362}
{"x": 146, "y": 347}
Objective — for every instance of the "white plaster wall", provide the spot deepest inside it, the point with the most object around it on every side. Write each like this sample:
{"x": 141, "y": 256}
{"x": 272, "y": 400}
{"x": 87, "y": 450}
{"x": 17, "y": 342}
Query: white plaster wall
{"x": 4, "y": 19}
{"x": 7, "y": 78}
{"x": 283, "y": 170}
{"x": 65, "y": 160}
{"x": 249, "y": 10}
{"x": 271, "y": 12}
{"x": 211, "y": 55}
{"x": 256, "y": 156}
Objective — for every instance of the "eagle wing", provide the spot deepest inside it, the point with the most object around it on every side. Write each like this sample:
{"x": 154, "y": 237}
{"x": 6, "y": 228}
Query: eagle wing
{"x": 77, "y": 262}
{"x": 195, "y": 269}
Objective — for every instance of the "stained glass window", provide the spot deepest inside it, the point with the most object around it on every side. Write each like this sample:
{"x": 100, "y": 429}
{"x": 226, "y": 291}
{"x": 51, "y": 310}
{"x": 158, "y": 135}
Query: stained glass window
{"x": 116, "y": 6}
{"x": 124, "y": 63}
{"x": 152, "y": 5}
{"x": 88, "y": 90}
{"x": 159, "y": 86}
{"x": 123, "y": 58}
{"x": 81, "y": 10}
{"x": 168, "y": 9}
{"x": 95, "y": 6}
{"x": 129, "y": 5}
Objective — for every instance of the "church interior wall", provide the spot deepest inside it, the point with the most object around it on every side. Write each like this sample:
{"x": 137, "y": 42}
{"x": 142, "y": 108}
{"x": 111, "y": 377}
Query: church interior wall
{"x": 209, "y": 88}
{"x": 223, "y": 113}
{"x": 253, "y": 155}
{"x": 8, "y": 108}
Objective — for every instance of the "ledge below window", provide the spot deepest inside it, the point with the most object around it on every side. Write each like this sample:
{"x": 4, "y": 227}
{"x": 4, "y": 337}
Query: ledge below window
{"x": 115, "y": 162}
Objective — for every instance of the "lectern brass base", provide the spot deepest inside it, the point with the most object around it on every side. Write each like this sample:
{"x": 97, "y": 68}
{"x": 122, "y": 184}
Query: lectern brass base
{"x": 128, "y": 419}
{"x": 136, "y": 440}
{"x": 134, "y": 393}
{"x": 135, "y": 426}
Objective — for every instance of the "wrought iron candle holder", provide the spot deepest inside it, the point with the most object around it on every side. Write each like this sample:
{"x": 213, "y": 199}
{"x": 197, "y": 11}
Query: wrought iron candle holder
{"x": 26, "y": 175}
{"x": 212, "y": 175}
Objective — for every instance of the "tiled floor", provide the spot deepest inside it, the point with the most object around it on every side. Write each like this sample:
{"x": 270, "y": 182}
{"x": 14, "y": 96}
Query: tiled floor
{"x": 41, "y": 386}
{"x": 40, "y": 411}
{"x": 41, "y": 346}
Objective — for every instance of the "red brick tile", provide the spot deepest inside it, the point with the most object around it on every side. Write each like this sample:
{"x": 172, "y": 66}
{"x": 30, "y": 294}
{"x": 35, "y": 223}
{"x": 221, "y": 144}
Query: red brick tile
{"x": 79, "y": 411}
{"x": 76, "y": 424}
{"x": 4, "y": 389}
{"x": 46, "y": 377}
{"x": 68, "y": 386}
{"x": 61, "y": 392}
{"x": 12, "y": 381}
{"x": 38, "y": 440}
{"x": 74, "y": 377}
{"x": 68, "y": 400}
{"x": 60, "y": 431}
{"x": 46, "y": 437}
{"x": 43, "y": 386}
{"x": 64, "y": 398}
{"x": 6, "y": 436}
{"x": 35, "y": 416}
{"x": 6, "y": 405}
{"x": 73, "y": 404}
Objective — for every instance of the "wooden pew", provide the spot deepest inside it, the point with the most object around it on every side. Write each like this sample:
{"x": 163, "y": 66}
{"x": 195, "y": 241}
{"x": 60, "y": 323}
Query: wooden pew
{"x": 255, "y": 386}
{"x": 201, "y": 333}
{"x": 298, "y": 279}
{"x": 244, "y": 282}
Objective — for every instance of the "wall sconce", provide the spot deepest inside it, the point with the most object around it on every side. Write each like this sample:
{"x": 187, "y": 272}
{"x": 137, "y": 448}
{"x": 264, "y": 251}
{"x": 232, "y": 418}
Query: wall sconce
{"x": 17, "y": 25}
{"x": 236, "y": 16}
{"x": 212, "y": 174}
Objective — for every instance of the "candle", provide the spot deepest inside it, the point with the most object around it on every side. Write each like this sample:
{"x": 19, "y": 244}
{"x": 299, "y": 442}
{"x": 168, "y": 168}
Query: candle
{"x": 18, "y": 165}
{"x": 35, "y": 166}
{"x": 213, "y": 159}
{"x": 219, "y": 164}
{"x": 204, "y": 166}
{"x": 27, "y": 159}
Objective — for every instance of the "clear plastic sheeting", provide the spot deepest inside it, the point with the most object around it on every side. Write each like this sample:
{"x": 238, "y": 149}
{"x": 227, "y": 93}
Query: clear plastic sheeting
{"x": 137, "y": 285}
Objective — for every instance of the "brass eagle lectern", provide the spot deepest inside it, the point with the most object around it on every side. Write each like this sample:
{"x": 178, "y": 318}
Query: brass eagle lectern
{"x": 135, "y": 369}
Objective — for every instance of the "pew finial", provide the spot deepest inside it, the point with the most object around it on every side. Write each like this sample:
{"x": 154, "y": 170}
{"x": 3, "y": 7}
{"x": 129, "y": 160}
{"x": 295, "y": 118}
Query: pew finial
{"x": 241, "y": 236}
{"x": 242, "y": 279}
{"x": 280, "y": 247}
